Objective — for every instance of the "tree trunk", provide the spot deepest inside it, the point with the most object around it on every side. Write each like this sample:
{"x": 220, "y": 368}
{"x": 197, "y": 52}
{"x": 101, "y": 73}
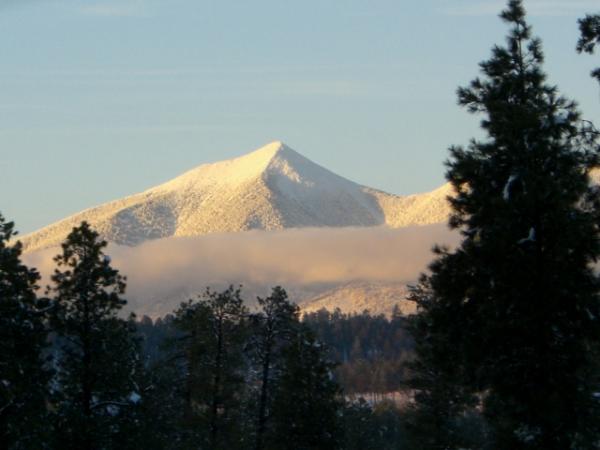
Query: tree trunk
{"x": 262, "y": 406}
{"x": 86, "y": 387}
{"x": 214, "y": 424}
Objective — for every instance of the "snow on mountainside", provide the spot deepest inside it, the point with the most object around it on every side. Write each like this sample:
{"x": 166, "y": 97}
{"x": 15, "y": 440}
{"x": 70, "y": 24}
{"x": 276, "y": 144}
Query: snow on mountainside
{"x": 356, "y": 297}
{"x": 271, "y": 188}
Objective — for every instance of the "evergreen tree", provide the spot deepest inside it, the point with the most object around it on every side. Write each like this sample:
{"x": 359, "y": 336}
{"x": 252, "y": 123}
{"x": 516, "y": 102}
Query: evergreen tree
{"x": 272, "y": 328}
{"x": 98, "y": 360}
{"x": 160, "y": 412}
{"x": 306, "y": 404}
{"x": 440, "y": 398}
{"x": 390, "y": 425}
{"x": 360, "y": 427}
{"x": 513, "y": 313}
{"x": 23, "y": 378}
{"x": 211, "y": 349}
{"x": 589, "y": 28}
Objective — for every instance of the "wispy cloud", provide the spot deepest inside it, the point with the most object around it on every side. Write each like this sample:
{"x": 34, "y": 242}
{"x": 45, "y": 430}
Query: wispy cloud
{"x": 25, "y": 107}
{"x": 12, "y": 3}
{"x": 123, "y": 8}
{"x": 124, "y": 129}
{"x": 161, "y": 272}
{"x": 534, "y": 7}
{"x": 334, "y": 88}
{"x": 99, "y": 8}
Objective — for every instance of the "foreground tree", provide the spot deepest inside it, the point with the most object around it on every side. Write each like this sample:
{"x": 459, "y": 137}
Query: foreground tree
{"x": 442, "y": 402}
{"x": 23, "y": 378}
{"x": 97, "y": 389}
{"x": 518, "y": 300}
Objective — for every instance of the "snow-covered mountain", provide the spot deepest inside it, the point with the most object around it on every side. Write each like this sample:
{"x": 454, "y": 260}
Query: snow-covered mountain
{"x": 356, "y": 297}
{"x": 271, "y": 188}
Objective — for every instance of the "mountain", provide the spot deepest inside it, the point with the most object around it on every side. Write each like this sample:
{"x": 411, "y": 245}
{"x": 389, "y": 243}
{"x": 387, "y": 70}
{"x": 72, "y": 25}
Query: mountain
{"x": 356, "y": 297}
{"x": 271, "y": 188}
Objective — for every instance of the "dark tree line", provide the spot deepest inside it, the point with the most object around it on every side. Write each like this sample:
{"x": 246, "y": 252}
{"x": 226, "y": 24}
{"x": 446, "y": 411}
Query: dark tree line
{"x": 372, "y": 351}
{"x": 289, "y": 367}
{"x": 74, "y": 374}
{"x": 23, "y": 348}
{"x": 70, "y": 372}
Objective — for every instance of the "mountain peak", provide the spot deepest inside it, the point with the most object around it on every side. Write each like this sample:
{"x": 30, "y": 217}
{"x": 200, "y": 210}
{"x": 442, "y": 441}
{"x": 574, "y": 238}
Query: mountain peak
{"x": 272, "y": 148}
{"x": 270, "y": 188}
{"x": 270, "y": 152}
{"x": 230, "y": 172}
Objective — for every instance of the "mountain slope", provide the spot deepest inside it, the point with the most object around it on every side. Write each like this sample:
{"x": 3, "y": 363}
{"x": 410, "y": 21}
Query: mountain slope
{"x": 271, "y": 188}
{"x": 356, "y": 297}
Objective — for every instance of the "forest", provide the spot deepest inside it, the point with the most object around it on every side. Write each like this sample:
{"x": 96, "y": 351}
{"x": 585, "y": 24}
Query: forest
{"x": 211, "y": 375}
{"x": 370, "y": 352}
{"x": 503, "y": 352}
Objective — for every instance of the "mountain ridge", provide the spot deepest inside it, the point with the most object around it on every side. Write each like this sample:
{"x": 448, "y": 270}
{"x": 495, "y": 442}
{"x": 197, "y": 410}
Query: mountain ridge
{"x": 271, "y": 188}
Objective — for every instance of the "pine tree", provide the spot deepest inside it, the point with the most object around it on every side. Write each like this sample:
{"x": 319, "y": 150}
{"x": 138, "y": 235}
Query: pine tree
{"x": 433, "y": 421}
{"x": 513, "y": 313}
{"x": 211, "y": 348}
{"x": 23, "y": 336}
{"x": 272, "y": 329}
{"x": 98, "y": 357}
{"x": 360, "y": 427}
{"x": 306, "y": 404}
{"x": 589, "y": 28}
{"x": 160, "y": 412}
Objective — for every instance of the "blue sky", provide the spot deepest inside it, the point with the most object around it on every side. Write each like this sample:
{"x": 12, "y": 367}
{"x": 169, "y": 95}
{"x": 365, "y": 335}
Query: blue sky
{"x": 101, "y": 99}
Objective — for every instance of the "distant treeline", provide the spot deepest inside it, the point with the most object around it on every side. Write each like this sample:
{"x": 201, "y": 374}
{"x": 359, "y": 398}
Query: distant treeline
{"x": 370, "y": 353}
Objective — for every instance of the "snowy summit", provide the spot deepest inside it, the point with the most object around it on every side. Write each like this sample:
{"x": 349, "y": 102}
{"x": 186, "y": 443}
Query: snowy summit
{"x": 271, "y": 188}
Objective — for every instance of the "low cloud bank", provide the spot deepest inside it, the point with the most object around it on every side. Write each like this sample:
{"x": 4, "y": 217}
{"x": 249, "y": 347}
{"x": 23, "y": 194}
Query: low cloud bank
{"x": 162, "y": 270}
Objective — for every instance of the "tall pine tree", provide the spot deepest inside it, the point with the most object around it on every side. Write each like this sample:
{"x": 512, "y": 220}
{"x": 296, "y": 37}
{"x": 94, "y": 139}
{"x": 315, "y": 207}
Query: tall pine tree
{"x": 210, "y": 348}
{"x": 513, "y": 314}
{"x": 97, "y": 364}
{"x": 273, "y": 327}
{"x": 441, "y": 400}
{"x": 23, "y": 335}
{"x": 306, "y": 407}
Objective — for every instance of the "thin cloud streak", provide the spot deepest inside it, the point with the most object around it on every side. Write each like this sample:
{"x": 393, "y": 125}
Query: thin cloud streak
{"x": 122, "y": 8}
{"x": 162, "y": 273}
{"x": 6, "y": 4}
{"x": 116, "y": 9}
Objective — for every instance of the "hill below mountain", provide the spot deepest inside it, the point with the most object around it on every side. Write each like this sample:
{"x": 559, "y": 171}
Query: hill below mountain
{"x": 356, "y": 297}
